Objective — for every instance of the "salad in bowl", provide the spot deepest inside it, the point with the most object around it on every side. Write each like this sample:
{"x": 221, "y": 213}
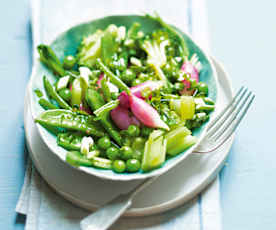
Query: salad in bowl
{"x": 123, "y": 96}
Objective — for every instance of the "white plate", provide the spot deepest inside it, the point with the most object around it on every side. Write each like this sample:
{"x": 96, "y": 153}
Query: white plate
{"x": 173, "y": 188}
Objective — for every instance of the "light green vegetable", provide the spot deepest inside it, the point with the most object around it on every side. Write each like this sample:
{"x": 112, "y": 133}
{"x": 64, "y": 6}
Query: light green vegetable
{"x": 155, "y": 151}
{"x": 181, "y": 145}
{"x": 90, "y": 49}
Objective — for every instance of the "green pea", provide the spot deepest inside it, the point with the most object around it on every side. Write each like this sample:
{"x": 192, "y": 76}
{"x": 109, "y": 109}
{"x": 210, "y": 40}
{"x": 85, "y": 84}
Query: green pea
{"x": 137, "y": 155}
{"x": 146, "y": 131}
{"x": 104, "y": 142}
{"x": 127, "y": 140}
{"x": 128, "y": 76}
{"x": 179, "y": 86}
{"x": 112, "y": 153}
{"x": 203, "y": 88}
{"x": 69, "y": 62}
{"x": 65, "y": 94}
{"x": 114, "y": 95}
{"x": 126, "y": 152}
{"x": 136, "y": 82}
{"x": 119, "y": 166}
{"x": 133, "y": 131}
{"x": 133, "y": 165}
{"x": 139, "y": 143}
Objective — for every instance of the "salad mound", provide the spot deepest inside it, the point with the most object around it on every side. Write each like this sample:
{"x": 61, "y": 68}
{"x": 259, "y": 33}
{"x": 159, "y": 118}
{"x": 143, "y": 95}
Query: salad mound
{"x": 126, "y": 100}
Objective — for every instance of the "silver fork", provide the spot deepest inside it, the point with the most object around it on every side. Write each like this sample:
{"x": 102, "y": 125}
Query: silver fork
{"x": 218, "y": 132}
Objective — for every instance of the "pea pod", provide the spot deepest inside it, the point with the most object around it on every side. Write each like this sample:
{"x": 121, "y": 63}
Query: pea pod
{"x": 46, "y": 104}
{"x": 95, "y": 101}
{"x": 105, "y": 89}
{"x": 113, "y": 78}
{"x": 69, "y": 140}
{"x": 76, "y": 92}
{"x": 53, "y": 94}
{"x": 69, "y": 120}
{"x": 75, "y": 158}
{"x": 49, "y": 58}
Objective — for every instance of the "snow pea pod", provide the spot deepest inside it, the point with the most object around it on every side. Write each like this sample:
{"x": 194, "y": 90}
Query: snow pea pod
{"x": 53, "y": 94}
{"x": 46, "y": 104}
{"x": 95, "y": 101}
{"x": 69, "y": 140}
{"x": 69, "y": 120}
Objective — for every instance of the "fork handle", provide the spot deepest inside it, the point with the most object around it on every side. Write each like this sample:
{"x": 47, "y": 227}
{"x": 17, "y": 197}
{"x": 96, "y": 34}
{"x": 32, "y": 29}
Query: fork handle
{"x": 105, "y": 216}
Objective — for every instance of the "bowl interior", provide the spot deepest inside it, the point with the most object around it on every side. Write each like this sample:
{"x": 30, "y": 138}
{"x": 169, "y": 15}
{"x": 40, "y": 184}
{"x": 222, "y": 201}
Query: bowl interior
{"x": 67, "y": 43}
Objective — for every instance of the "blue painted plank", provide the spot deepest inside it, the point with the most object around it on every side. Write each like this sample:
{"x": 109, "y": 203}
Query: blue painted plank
{"x": 243, "y": 37}
{"x": 15, "y": 62}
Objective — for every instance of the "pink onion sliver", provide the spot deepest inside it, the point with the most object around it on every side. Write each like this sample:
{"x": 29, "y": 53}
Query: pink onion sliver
{"x": 135, "y": 121}
{"x": 123, "y": 98}
{"x": 188, "y": 68}
{"x": 146, "y": 113}
{"x": 122, "y": 118}
{"x": 137, "y": 91}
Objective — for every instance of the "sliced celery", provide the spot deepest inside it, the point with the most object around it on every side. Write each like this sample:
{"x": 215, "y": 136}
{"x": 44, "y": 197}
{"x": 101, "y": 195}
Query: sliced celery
{"x": 155, "y": 151}
{"x": 176, "y": 135}
{"x": 181, "y": 145}
{"x": 185, "y": 107}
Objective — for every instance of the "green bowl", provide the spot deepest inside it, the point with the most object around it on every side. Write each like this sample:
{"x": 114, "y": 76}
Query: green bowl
{"x": 67, "y": 43}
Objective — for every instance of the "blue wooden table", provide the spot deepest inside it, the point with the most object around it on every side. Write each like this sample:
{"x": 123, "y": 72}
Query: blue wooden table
{"x": 243, "y": 36}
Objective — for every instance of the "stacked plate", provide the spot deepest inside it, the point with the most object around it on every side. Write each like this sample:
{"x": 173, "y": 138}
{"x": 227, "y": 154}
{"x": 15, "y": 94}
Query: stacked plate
{"x": 184, "y": 181}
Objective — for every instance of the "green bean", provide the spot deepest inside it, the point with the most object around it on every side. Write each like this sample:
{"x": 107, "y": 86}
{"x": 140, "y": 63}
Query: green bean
{"x": 49, "y": 58}
{"x": 105, "y": 89}
{"x": 46, "y": 104}
{"x": 95, "y": 101}
{"x": 113, "y": 78}
{"x": 53, "y": 94}
{"x": 69, "y": 120}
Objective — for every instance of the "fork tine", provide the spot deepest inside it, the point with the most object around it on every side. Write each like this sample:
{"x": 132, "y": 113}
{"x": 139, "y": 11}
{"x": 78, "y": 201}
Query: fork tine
{"x": 222, "y": 129}
{"x": 225, "y": 114}
{"x": 237, "y": 121}
{"x": 226, "y": 108}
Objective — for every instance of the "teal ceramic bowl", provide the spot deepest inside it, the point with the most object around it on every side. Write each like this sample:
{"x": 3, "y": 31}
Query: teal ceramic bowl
{"x": 67, "y": 42}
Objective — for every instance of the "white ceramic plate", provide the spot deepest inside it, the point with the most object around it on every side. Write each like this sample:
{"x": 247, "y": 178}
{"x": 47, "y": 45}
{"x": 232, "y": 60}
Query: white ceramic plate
{"x": 173, "y": 188}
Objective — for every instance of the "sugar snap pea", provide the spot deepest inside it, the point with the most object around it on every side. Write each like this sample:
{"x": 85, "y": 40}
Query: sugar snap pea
{"x": 113, "y": 78}
{"x": 70, "y": 140}
{"x": 49, "y": 58}
{"x": 53, "y": 94}
{"x": 46, "y": 104}
{"x": 75, "y": 158}
{"x": 95, "y": 101}
{"x": 69, "y": 120}
{"x": 105, "y": 89}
